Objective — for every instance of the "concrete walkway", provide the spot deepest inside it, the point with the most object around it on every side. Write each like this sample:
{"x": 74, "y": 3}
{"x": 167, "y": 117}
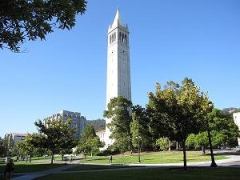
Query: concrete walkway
{"x": 233, "y": 161}
{"x": 34, "y": 175}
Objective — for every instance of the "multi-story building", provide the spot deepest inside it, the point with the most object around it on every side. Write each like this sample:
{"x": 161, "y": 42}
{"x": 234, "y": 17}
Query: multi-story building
{"x": 236, "y": 118}
{"x": 15, "y": 137}
{"x": 78, "y": 121}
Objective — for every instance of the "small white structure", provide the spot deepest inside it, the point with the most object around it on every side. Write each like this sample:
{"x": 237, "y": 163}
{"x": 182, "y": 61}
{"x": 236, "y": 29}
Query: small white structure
{"x": 101, "y": 135}
{"x": 118, "y": 66}
{"x": 236, "y": 118}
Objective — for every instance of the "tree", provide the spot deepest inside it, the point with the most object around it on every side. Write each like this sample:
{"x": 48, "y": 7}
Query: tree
{"x": 223, "y": 126}
{"x": 140, "y": 127}
{"x": 140, "y": 133}
{"x": 32, "y": 19}
{"x": 119, "y": 110}
{"x": 2, "y": 148}
{"x": 89, "y": 142}
{"x": 163, "y": 143}
{"x": 54, "y": 135}
{"x": 178, "y": 111}
{"x": 24, "y": 148}
{"x": 198, "y": 141}
{"x": 8, "y": 144}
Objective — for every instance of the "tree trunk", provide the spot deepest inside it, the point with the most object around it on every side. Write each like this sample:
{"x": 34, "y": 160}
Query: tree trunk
{"x": 169, "y": 145}
{"x": 184, "y": 155}
{"x": 203, "y": 150}
{"x": 139, "y": 157}
{"x": 30, "y": 158}
{"x": 177, "y": 146}
{"x": 213, "y": 163}
{"x": 52, "y": 158}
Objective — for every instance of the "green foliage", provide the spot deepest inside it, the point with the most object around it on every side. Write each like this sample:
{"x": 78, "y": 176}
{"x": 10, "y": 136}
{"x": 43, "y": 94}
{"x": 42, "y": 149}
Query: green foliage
{"x": 89, "y": 142}
{"x": 224, "y": 128}
{"x": 140, "y": 128}
{"x": 198, "y": 141}
{"x": 25, "y": 148}
{"x": 191, "y": 141}
{"x": 119, "y": 111}
{"x": 9, "y": 144}
{"x": 31, "y": 19}
{"x": 55, "y": 135}
{"x": 177, "y": 111}
{"x": 163, "y": 143}
{"x": 202, "y": 139}
{"x": 3, "y": 149}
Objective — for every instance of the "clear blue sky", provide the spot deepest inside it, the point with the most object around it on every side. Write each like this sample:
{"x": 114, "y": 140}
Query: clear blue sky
{"x": 169, "y": 40}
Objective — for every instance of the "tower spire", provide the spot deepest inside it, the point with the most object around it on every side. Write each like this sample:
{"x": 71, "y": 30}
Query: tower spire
{"x": 117, "y": 19}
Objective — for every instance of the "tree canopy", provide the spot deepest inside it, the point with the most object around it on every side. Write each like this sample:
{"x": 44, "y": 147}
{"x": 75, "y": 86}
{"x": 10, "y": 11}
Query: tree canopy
{"x": 22, "y": 20}
{"x": 177, "y": 111}
{"x": 89, "y": 142}
{"x": 54, "y": 135}
{"x": 119, "y": 110}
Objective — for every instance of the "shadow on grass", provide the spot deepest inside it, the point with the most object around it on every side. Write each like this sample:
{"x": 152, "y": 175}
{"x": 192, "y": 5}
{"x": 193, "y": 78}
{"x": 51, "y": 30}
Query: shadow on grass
{"x": 26, "y": 168}
{"x": 88, "y": 167}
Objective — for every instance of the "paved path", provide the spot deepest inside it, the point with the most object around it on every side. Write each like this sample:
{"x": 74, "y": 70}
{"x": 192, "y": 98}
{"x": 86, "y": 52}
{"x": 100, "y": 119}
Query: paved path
{"x": 233, "y": 161}
{"x": 35, "y": 175}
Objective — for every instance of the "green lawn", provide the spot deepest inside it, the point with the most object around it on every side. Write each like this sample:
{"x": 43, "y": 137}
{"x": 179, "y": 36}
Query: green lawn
{"x": 31, "y": 167}
{"x": 83, "y": 167}
{"x": 153, "y": 174}
{"x": 152, "y": 158}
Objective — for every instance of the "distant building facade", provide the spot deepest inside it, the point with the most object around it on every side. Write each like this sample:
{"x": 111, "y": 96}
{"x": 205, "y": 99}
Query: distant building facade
{"x": 15, "y": 137}
{"x": 236, "y": 118}
{"x": 78, "y": 121}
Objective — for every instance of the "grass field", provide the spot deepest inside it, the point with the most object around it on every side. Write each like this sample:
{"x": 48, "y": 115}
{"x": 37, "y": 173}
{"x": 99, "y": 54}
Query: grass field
{"x": 83, "y": 167}
{"x": 31, "y": 167}
{"x": 152, "y": 158}
{"x": 153, "y": 174}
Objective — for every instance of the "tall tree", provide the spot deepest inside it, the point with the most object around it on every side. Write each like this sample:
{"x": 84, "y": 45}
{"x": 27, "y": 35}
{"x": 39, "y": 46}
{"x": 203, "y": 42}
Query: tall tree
{"x": 119, "y": 110}
{"x": 2, "y": 148}
{"x": 22, "y": 20}
{"x": 223, "y": 126}
{"x": 179, "y": 110}
{"x": 55, "y": 135}
{"x": 140, "y": 129}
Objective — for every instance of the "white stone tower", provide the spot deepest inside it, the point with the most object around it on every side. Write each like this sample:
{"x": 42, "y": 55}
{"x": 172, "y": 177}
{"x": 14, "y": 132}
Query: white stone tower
{"x": 118, "y": 65}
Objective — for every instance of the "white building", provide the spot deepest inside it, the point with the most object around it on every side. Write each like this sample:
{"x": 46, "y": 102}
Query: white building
{"x": 78, "y": 121}
{"x": 16, "y": 137}
{"x": 101, "y": 135}
{"x": 118, "y": 66}
{"x": 236, "y": 118}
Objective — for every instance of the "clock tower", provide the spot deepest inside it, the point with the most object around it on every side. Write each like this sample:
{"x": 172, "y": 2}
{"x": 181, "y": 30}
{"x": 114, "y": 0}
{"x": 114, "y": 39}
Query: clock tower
{"x": 118, "y": 65}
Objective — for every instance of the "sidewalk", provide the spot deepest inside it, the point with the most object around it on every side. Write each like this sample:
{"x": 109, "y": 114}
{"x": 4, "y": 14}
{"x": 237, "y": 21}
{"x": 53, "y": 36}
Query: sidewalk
{"x": 30, "y": 176}
{"x": 233, "y": 160}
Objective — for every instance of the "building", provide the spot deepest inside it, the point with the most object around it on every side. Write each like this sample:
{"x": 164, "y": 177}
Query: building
{"x": 236, "y": 118}
{"x": 101, "y": 135}
{"x": 78, "y": 121}
{"x": 15, "y": 137}
{"x": 118, "y": 66}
